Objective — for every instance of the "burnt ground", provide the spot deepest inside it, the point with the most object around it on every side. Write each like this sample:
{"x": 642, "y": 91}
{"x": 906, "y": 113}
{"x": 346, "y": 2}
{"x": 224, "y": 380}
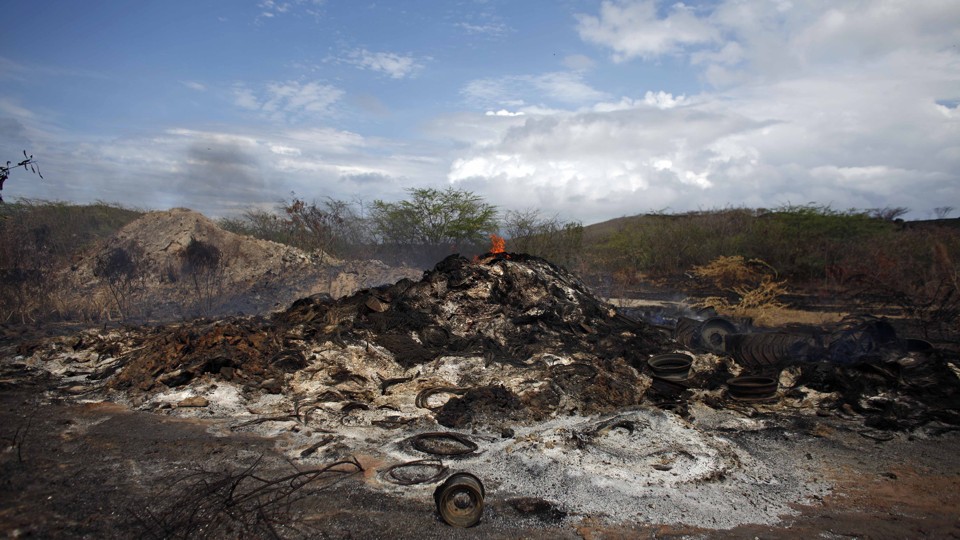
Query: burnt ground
{"x": 93, "y": 470}
{"x": 285, "y": 426}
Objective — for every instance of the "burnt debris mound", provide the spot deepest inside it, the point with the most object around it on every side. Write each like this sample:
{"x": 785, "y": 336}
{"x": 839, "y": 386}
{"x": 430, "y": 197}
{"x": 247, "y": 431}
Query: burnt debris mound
{"x": 514, "y": 311}
{"x": 521, "y": 339}
{"x": 506, "y": 307}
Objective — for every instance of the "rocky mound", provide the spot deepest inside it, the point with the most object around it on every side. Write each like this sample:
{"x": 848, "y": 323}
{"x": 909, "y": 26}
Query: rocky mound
{"x": 252, "y": 277}
{"x": 165, "y": 235}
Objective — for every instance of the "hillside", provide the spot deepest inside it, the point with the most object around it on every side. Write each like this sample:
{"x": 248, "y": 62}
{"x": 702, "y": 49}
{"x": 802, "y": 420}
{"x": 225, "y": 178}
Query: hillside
{"x": 142, "y": 272}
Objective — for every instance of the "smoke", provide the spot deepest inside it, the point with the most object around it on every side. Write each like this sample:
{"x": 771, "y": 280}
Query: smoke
{"x": 219, "y": 173}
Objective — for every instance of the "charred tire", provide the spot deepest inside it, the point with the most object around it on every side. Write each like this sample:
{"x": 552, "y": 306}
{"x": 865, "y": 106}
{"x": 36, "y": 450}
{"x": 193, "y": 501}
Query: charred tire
{"x": 460, "y": 500}
{"x": 668, "y": 388}
{"x": 714, "y": 332}
{"x": 919, "y": 345}
{"x": 752, "y": 388}
{"x": 439, "y": 444}
{"x": 424, "y": 395}
{"x": 687, "y": 333}
{"x": 401, "y": 474}
{"x": 674, "y": 366}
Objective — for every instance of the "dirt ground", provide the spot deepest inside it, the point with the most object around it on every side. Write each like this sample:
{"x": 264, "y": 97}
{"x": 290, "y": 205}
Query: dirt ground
{"x": 99, "y": 470}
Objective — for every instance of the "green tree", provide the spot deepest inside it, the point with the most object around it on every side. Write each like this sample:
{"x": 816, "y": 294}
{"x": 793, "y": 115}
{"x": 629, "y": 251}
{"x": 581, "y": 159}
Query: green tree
{"x": 434, "y": 217}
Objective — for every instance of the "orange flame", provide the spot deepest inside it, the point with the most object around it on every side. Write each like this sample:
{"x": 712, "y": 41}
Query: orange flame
{"x": 497, "y": 244}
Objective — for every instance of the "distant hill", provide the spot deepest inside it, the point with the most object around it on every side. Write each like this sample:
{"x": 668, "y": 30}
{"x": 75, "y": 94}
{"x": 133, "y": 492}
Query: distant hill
{"x": 805, "y": 243}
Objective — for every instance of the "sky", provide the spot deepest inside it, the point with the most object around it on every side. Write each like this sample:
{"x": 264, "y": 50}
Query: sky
{"x": 584, "y": 110}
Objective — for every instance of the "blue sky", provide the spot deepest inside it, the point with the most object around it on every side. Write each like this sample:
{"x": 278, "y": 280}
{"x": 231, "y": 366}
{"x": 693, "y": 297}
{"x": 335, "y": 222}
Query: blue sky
{"x": 589, "y": 110}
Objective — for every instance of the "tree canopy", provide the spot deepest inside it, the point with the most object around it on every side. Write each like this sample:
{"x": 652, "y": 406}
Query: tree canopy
{"x": 433, "y": 217}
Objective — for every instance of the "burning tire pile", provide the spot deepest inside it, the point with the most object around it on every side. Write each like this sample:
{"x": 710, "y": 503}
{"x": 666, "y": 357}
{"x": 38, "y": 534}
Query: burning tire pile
{"x": 510, "y": 368}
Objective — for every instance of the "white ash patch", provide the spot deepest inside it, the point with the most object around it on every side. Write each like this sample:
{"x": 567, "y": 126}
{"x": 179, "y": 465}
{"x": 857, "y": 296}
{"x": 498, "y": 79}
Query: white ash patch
{"x": 663, "y": 471}
{"x": 637, "y": 466}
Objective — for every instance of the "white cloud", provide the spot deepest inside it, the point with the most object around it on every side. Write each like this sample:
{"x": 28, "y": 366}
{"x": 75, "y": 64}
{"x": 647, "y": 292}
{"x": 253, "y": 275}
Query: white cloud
{"x": 284, "y": 150}
{"x": 273, "y": 8}
{"x": 492, "y": 29}
{"x": 193, "y": 85}
{"x": 840, "y": 102}
{"x": 395, "y": 65}
{"x": 9, "y": 108}
{"x": 591, "y": 164}
{"x": 634, "y": 29}
{"x": 578, "y": 62}
{"x": 513, "y": 91}
{"x": 862, "y": 32}
{"x": 492, "y": 91}
{"x": 662, "y": 100}
{"x": 219, "y": 172}
{"x": 245, "y": 98}
{"x": 566, "y": 87}
{"x": 503, "y": 112}
{"x": 861, "y": 143}
{"x": 289, "y": 100}
{"x": 845, "y": 103}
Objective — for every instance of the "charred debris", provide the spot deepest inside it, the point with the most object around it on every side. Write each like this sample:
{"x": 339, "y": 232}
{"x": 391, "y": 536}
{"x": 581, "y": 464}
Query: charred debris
{"x": 534, "y": 343}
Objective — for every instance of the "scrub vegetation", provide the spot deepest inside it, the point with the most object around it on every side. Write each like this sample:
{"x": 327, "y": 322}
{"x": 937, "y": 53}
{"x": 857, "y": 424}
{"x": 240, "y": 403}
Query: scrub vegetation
{"x": 734, "y": 255}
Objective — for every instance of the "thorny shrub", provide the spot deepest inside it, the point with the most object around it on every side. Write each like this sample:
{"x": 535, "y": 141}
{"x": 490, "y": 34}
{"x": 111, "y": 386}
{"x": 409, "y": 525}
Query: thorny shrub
{"x": 919, "y": 275}
{"x": 251, "y": 502}
{"x": 549, "y": 237}
{"x": 800, "y": 241}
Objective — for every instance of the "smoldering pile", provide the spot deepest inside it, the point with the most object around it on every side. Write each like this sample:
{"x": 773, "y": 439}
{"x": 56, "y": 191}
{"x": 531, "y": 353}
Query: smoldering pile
{"x": 525, "y": 338}
{"x": 510, "y": 338}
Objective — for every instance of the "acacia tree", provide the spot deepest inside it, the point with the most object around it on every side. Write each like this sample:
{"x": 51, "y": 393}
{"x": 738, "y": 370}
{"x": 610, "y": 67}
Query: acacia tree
{"x": 433, "y": 217}
{"x": 530, "y": 232}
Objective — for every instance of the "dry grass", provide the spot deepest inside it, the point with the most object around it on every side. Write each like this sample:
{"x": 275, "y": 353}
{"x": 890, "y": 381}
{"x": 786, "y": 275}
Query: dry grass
{"x": 774, "y": 318}
{"x": 753, "y": 282}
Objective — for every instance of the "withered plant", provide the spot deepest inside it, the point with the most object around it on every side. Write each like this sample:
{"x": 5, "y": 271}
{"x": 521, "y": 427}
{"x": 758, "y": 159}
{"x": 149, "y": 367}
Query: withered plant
{"x": 753, "y": 283}
{"x": 122, "y": 269}
{"x": 205, "y": 267}
{"x": 242, "y": 503}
